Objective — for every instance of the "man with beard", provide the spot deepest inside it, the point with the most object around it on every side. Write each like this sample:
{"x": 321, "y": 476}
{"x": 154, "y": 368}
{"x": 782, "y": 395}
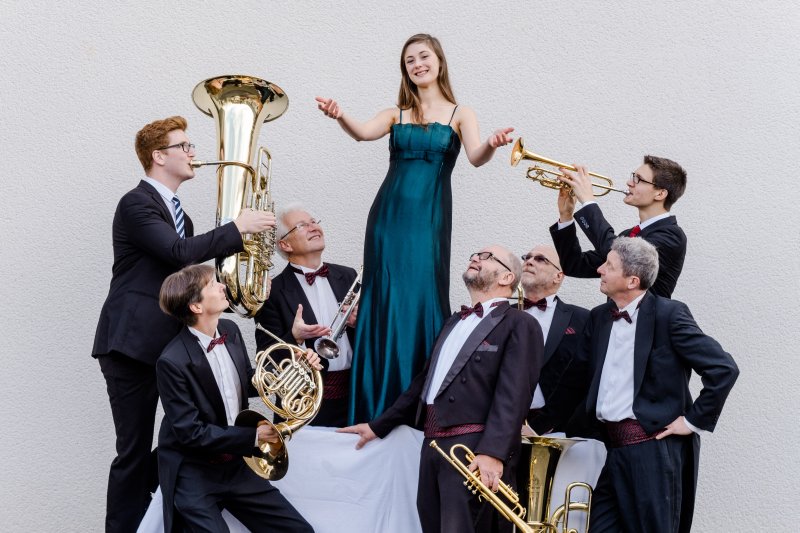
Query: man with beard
{"x": 475, "y": 390}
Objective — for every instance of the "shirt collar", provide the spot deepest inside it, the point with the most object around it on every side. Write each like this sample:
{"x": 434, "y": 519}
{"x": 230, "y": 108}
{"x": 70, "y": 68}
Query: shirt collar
{"x": 162, "y": 189}
{"x": 653, "y": 220}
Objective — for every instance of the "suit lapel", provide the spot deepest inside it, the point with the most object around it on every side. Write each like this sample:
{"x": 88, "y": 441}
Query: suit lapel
{"x": 201, "y": 368}
{"x": 295, "y": 294}
{"x": 159, "y": 202}
{"x": 437, "y": 348}
{"x": 600, "y": 338}
{"x": 338, "y": 284}
{"x": 645, "y": 328}
{"x": 478, "y": 334}
{"x": 561, "y": 318}
{"x": 238, "y": 356}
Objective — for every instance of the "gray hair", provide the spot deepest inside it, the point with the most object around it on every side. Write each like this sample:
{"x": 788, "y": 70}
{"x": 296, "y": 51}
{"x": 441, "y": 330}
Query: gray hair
{"x": 639, "y": 258}
{"x": 282, "y": 228}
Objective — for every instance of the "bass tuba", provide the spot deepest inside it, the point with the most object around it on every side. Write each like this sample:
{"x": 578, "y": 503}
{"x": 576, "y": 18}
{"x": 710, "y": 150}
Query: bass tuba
{"x": 292, "y": 389}
{"x": 239, "y": 105}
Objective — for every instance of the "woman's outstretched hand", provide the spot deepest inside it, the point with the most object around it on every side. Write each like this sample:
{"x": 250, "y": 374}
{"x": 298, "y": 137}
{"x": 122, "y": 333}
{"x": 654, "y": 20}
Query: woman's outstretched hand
{"x": 499, "y": 137}
{"x": 329, "y": 106}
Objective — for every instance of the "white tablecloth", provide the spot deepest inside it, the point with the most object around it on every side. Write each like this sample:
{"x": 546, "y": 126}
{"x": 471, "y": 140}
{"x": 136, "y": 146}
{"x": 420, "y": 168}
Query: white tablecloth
{"x": 338, "y": 488}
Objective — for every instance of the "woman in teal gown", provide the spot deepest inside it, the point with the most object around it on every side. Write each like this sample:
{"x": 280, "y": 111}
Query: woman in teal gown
{"x": 405, "y": 295}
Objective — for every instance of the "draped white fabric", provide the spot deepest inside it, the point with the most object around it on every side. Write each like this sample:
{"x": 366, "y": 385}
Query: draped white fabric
{"x": 338, "y": 488}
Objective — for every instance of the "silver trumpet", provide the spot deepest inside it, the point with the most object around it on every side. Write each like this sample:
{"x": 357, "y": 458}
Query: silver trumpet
{"x": 328, "y": 346}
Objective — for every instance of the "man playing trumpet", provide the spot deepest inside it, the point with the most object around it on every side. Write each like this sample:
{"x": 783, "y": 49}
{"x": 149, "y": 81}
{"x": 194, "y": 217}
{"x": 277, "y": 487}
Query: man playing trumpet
{"x": 475, "y": 390}
{"x": 653, "y": 188}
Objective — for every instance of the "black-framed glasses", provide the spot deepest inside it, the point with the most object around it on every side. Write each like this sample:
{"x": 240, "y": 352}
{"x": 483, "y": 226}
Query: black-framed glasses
{"x": 302, "y": 226}
{"x": 483, "y": 256}
{"x": 637, "y": 178}
{"x": 186, "y": 147}
{"x": 539, "y": 259}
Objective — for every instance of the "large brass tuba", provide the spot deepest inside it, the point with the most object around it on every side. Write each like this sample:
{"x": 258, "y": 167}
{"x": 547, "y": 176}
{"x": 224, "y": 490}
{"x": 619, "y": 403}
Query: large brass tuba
{"x": 240, "y": 104}
{"x": 292, "y": 389}
{"x": 537, "y": 173}
{"x": 536, "y": 473}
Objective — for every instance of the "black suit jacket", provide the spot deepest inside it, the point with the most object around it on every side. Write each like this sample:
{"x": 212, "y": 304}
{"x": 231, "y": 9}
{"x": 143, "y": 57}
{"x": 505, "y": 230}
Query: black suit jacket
{"x": 195, "y": 426}
{"x": 668, "y": 347}
{"x": 277, "y": 313}
{"x": 146, "y": 250}
{"x": 562, "y": 377}
{"x": 490, "y": 382}
{"x": 668, "y": 238}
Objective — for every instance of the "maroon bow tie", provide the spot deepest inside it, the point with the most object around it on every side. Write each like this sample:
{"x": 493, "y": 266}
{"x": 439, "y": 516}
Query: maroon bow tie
{"x": 541, "y": 304}
{"x": 616, "y": 314}
{"x": 312, "y": 276}
{"x": 218, "y": 340}
{"x": 635, "y": 231}
{"x": 466, "y": 311}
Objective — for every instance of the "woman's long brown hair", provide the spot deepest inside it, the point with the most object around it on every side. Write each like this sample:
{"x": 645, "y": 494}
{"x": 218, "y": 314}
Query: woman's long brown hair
{"x": 409, "y": 96}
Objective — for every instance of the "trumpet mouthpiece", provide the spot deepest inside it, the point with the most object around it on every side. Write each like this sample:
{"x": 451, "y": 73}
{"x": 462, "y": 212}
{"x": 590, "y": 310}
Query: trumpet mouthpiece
{"x": 197, "y": 164}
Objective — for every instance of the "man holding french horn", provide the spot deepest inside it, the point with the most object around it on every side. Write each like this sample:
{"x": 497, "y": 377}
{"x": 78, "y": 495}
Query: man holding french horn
{"x": 304, "y": 306}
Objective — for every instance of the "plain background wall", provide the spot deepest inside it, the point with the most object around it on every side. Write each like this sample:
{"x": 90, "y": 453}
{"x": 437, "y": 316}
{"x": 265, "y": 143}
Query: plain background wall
{"x": 711, "y": 85}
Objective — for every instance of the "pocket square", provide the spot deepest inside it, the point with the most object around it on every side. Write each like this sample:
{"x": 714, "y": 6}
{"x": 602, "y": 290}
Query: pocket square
{"x": 569, "y": 331}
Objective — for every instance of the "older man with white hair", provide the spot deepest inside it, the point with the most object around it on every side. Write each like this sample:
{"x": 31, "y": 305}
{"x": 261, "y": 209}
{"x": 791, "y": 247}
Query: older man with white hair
{"x": 303, "y": 303}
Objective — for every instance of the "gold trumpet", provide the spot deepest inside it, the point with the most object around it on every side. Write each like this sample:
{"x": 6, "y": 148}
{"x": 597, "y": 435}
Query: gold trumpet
{"x": 537, "y": 173}
{"x": 298, "y": 386}
{"x": 506, "y": 501}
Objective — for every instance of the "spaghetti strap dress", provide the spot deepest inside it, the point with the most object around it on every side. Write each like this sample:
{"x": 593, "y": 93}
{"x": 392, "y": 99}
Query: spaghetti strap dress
{"x": 406, "y": 282}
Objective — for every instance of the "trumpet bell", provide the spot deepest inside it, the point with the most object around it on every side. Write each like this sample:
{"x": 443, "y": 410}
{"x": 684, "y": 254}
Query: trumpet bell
{"x": 326, "y": 347}
{"x": 265, "y": 463}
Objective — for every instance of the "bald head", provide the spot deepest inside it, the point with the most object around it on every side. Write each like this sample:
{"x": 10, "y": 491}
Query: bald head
{"x": 541, "y": 272}
{"x": 493, "y": 271}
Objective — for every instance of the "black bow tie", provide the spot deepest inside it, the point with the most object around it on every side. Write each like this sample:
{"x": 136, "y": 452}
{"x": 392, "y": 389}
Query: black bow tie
{"x": 312, "y": 276}
{"x": 218, "y": 340}
{"x": 616, "y": 314}
{"x": 541, "y": 304}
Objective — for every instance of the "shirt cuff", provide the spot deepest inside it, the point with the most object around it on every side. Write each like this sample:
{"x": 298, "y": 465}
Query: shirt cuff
{"x": 695, "y": 429}
{"x": 562, "y": 225}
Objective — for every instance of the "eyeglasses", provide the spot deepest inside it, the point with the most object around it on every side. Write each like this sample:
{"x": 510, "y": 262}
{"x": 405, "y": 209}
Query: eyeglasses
{"x": 637, "y": 178}
{"x": 302, "y": 226}
{"x": 186, "y": 147}
{"x": 539, "y": 259}
{"x": 483, "y": 256}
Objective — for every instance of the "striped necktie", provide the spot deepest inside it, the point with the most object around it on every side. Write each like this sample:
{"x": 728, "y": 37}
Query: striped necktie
{"x": 178, "y": 217}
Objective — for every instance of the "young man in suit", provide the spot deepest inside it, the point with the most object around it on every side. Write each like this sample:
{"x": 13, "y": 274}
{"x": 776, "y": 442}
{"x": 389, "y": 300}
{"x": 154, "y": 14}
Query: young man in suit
{"x": 303, "y": 302}
{"x": 204, "y": 379}
{"x": 641, "y": 350}
{"x": 558, "y": 392}
{"x": 653, "y": 188}
{"x": 152, "y": 237}
{"x": 475, "y": 390}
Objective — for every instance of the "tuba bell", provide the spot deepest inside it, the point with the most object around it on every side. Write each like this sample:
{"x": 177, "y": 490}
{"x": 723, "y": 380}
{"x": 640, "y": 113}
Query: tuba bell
{"x": 298, "y": 387}
{"x": 239, "y": 105}
{"x": 537, "y": 173}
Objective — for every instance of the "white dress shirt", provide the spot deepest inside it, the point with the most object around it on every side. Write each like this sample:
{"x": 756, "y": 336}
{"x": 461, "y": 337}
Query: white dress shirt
{"x": 453, "y": 344}
{"x": 545, "y": 319}
{"x": 166, "y": 195}
{"x": 615, "y": 394}
{"x": 225, "y": 374}
{"x": 323, "y": 303}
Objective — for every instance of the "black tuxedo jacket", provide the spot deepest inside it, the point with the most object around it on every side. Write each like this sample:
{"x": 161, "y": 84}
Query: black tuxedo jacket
{"x": 277, "y": 313}
{"x": 562, "y": 377}
{"x": 146, "y": 250}
{"x": 668, "y": 347}
{"x": 490, "y": 382}
{"x": 668, "y": 238}
{"x": 195, "y": 426}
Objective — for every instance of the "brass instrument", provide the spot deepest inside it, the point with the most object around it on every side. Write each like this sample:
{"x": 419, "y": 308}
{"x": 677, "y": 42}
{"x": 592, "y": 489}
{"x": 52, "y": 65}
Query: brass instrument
{"x": 328, "y": 346}
{"x": 520, "y": 297}
{"x": 240, "y": 104}
{"x": 536, "y": 472}
{"x": 537, "y": 173}
{"x": 298, "y": 386}
{"x": 505, "y": 501}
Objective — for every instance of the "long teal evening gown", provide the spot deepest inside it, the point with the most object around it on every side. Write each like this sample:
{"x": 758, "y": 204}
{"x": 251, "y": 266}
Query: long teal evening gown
{"x": 406, "y": 285}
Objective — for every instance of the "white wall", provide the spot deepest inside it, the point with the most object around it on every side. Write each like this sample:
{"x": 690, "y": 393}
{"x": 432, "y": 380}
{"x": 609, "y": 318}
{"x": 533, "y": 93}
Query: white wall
{"x": 709, "y": 84}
